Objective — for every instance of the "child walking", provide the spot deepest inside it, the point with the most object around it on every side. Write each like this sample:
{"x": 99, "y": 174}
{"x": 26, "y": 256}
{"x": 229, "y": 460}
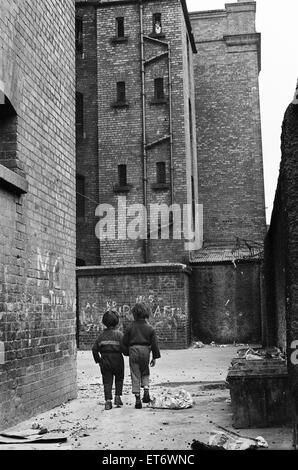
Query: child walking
{"x": 141, "y": 340}
{"x": 107, "y": 353}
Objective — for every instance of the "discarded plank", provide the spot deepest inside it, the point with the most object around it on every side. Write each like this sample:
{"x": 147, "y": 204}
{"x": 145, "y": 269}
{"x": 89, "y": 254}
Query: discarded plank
{"x": 45, "y": 438}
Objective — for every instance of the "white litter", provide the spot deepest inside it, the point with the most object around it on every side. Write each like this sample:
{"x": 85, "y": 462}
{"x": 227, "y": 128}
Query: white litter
{"x": 227, "y": 442}
{"x": 179, "y": 401}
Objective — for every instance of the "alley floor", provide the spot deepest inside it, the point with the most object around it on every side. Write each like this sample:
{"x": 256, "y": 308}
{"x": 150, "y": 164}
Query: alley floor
{"x": 202, "y": 372}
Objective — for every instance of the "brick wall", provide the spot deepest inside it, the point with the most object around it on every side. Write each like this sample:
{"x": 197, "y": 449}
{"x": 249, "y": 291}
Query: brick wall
{"x": 37, "y": 210}
{"x": 230, "y": 167}
{"x": 87, "y": 146}
{"x": 274, "y": 323}
{"x": 120, "y": 129}
{"x": 280, "y": 248}
{"x": 163, "y": 287}
{"x": 225, "y": 303}
{"x": 281, "y": 256}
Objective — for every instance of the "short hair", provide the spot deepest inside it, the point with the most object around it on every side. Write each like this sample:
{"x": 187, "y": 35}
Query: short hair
{"x": 140, "y": 311}
{"x": 110, "y": 318}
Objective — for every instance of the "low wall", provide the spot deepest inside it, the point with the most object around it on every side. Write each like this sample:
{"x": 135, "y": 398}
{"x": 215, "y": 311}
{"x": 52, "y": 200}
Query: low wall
{"x": 226, "y": 302}
{"x": 165, "y": 287}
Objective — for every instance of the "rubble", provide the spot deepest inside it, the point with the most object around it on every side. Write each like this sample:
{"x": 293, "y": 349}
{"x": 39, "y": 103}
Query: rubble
{"x": 180, "y": 400}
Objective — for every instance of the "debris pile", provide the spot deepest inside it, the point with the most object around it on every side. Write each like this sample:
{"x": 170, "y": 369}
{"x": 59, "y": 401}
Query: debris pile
{"x": 230, "y": 441}
{"x": 251, "y": 354}
{"x": 177, "y": 401}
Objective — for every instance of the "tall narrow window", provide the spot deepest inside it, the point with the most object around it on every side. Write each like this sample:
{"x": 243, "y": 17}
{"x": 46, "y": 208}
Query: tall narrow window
{"x": 121, "y": 92}
{"x": 193, "y": 202}
{"x": 79, "y": 35}
{"x": 120, "y": 27}
{"x": 79, "y": 115}
{"x": 159, "y": 89}
{"x": 157, "y": 27}
{"x": 190, "y": 124}
{"x": 80, "y": 189}
{"x": 122, "y": 175}
{"x": 161, "y": 177}
{"x": 8, "y": 134}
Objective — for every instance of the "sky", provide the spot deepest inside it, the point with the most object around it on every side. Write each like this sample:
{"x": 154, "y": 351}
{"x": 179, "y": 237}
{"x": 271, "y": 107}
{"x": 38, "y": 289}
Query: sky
{"x": 276, "y": 20}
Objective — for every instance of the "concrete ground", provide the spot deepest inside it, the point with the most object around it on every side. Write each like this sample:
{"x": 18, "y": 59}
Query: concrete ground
{"x": 202, "y": 372}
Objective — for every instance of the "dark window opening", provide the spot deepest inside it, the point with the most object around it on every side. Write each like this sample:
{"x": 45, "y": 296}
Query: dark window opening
{"x": 190, "y": 125}
{"x": 193, "y": 202}
{"x": 161, "y": 177}
{"x": 122, "y": 175}
{"x": 79, "y": 115}
{"x": 80, "y": 199}
{"x": 8, "y": 135}
{"x": 121, "y": 92}
{"x": 120, "y": 27}
{"x": 157, "y": 26}
{"x": 159, "y": 89}
{"x": 79, "y": 35}
{"x": 80, "y": 262}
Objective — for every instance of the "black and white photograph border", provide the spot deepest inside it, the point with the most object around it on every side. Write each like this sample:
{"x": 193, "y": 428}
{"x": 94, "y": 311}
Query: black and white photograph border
{"x": 148, "y": 228}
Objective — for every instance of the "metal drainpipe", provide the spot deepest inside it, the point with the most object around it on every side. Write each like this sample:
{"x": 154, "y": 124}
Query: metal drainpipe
{"x": 144, "y": 144}
{"x": 171, "y": 125}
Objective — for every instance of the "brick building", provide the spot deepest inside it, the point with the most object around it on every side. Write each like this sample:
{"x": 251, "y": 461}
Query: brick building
{"x": 280, "y": 319}
{"x": 37, "y": 207}
{"x": 227, "y": 290}
{"x": 140, "y": 85}
{"x": 180, "y": 126}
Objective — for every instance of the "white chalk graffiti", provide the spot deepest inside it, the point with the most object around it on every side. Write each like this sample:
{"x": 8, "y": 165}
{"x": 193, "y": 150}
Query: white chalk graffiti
{"x": 163, "y": 316}
{"x": 2, "y": 353}
{"x": 50, "y": 269}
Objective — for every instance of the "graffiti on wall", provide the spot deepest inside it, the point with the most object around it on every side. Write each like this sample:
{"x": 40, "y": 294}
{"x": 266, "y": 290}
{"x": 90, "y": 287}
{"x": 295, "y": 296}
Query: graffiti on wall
{"x": 2, "y": 353}
{"x": 51, "y": 277}
{"x": 50, "y": 269}
{"x": 163, "y": 316}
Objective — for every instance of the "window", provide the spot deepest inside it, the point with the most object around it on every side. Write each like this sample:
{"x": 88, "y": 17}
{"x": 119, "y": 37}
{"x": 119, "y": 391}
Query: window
{"x": 121, "y": 92}
{"x": 190, "y": 125}
{"x": 159, "y": 89}
{"x": 80, "y": 262}
{"x": 79, "y": 35}
{"x": 79, "y": 115}
{"x": 120, "y": 27}
{"x": 122, "y": 175}
{"x": 157, "y": 27}
{"x": 8, "y": 134}
{"x": 161, "y": 173}
{"x": 80, "y": 199}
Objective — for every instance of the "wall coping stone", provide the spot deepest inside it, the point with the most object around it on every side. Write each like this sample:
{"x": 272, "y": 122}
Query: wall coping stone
{"x": 12, "y": 181}
{"x": 150, "y": 268}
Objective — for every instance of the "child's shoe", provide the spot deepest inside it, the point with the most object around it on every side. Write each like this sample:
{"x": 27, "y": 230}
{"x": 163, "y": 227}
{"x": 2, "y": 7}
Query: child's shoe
{"x": 138, "y": 404}
{"x": 146, "y": 397}
{"x": 118, "y": 401}
{"x": 108, "y": 405}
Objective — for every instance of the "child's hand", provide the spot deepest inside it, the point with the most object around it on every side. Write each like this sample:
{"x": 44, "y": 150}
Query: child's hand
{"x": 152, "y": 363}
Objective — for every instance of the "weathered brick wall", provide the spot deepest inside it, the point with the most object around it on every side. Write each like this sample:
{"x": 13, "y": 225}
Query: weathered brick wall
{"x": 225, "y": 303}
{"x": 163, "y": 287}
{"x": 274, "y": 322}
{"x": 37, "y": 227}
{"x": 280, "y": 323}
{"x": 231, "y": 186}
{"x": 120, "y": 129}
{"x": 87, "y": 147}
{"x": 281, "y": 256}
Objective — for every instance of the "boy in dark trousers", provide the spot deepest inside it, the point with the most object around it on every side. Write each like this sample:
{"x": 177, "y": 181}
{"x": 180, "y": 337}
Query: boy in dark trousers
{"x": 107, "y": 353}
{"x": 141, "y": 340}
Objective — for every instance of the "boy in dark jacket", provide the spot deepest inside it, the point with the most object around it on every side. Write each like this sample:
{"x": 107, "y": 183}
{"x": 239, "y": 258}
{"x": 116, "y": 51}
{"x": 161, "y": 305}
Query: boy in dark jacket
{"x": 107, "y": 353}
{"x": 140, "y": 339}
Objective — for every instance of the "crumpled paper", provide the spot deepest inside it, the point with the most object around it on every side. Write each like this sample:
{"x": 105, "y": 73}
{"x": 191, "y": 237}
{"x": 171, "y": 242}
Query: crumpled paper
{"x": 227, "y": 442}
{"x": 179, "y": 401}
